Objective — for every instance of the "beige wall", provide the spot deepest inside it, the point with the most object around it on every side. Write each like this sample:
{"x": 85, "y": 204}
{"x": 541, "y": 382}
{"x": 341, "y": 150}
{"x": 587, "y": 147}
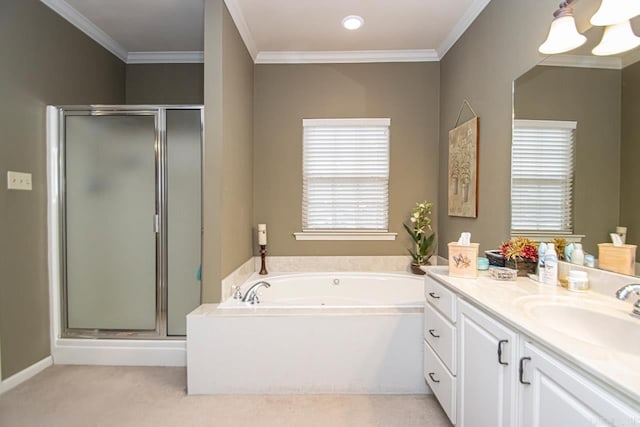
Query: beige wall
{"x": 592, "y": 98}
{"x": 498, "y": 47}
{"x": 237, "y": 152}
{"x": 165, "y": 84}
{"x": 228, "y": 149}
{"x": 630, "y": 153}
{"x": 45, "y": 60}
{"x": 408, "y": 93}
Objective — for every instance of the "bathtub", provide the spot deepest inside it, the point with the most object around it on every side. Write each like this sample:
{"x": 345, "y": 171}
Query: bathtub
{"x": 312, "y": 333}
{"x": 334, "y": 290}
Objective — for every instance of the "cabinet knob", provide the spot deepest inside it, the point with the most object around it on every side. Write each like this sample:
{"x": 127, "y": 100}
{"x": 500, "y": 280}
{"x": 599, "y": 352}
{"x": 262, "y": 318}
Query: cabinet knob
{"x": 500, "y": 343}
{"x": 522, "y": 381}
{"x": 431, "y": 374}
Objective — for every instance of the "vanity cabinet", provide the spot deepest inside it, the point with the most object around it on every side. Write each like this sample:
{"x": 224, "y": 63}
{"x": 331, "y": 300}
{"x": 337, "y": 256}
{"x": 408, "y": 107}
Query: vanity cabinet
{"x": 440, "y": 344}
{"x": 484, "y": 373}
{"x": 487, "y": 370}
{"x": 552, "y": 394}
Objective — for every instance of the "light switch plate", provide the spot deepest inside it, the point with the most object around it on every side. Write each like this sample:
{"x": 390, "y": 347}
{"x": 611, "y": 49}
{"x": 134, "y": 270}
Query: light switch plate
{"x": 18, "y": 181}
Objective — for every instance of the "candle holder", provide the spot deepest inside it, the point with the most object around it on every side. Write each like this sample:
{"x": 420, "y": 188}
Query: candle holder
{"x": 263, "y": 254}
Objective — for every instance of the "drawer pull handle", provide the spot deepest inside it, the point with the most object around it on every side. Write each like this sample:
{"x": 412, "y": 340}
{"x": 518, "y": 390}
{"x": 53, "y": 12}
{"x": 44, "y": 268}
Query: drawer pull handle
{"x": 522, "y": 381}
{"x": 431, "y": 374}
{"x": 432, "y": 332}
{"x": 434, "y": 295}
{"x": 500, "y": 352}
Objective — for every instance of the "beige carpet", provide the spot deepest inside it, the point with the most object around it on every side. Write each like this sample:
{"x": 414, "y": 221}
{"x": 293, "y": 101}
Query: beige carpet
{"x": 72, "y": 396}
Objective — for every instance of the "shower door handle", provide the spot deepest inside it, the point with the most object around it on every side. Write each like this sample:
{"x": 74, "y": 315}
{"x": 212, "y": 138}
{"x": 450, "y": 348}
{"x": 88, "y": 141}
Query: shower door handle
{"x": 156, "y": 223}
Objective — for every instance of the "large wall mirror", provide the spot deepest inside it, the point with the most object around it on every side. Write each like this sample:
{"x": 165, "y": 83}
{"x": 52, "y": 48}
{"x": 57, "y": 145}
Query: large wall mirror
{"x": 601, "y": 94}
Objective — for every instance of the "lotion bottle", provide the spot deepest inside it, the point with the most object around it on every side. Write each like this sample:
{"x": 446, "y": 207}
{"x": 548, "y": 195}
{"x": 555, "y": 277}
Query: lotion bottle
{"x": 551, "y": 266}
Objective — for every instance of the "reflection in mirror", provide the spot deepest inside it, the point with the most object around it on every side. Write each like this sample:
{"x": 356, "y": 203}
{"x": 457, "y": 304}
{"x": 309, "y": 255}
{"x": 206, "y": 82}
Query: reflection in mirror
{"x": 603, "y": 96}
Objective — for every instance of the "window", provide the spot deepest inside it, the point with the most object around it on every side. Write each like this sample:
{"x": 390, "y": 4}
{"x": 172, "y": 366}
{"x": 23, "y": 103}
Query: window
{"x": 345, "y": 179}
{"x": 542, "y": 159}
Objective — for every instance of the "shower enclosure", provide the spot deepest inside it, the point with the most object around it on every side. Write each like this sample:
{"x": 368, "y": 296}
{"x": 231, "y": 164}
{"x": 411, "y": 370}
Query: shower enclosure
{"x": 129, "y": 211}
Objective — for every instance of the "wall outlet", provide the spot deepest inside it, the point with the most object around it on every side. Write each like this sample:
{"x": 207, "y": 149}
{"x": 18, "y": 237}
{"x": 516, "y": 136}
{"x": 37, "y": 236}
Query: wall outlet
{"x": 18, "y": 181}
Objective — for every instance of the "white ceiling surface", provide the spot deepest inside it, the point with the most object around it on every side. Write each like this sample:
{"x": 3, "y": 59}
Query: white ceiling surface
{"x": 276, "y": 30}
{"x": 315, "y": 25}
{"x": 148, "y": 25}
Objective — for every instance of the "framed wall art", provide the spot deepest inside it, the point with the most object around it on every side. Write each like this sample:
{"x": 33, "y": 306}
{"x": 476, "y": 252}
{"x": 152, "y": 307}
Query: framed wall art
{"x": 463, "y": 168}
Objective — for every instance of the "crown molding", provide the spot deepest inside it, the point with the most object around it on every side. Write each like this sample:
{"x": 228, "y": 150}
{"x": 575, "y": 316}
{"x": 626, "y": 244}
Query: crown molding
{"x": 241, "y": 24}
{"x": 177, "y": 57}
{"x": 355, "y": 56}
{"x": 81, "y": 22}
{"x": 584, "y": 61}
{"x": 631, "y": 58}
{"x": 458, "y": 30}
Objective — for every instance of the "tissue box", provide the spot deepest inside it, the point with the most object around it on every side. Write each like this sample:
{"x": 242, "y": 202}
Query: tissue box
{"x": 620, "y": 259}
{"x": 463, "y": 260}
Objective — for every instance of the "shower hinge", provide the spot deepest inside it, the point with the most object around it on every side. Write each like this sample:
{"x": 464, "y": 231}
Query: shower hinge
{"x": 156, "y": 223}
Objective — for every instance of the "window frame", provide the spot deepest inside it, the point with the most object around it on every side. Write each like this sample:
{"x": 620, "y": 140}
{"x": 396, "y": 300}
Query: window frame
{"x": 337, "y": 233}
{"x": 540, "y": 234}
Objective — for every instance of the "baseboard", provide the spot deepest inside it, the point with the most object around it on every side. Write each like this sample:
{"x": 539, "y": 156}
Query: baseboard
{"x": 120, "y": 352}
{"x": 25, "y": 374}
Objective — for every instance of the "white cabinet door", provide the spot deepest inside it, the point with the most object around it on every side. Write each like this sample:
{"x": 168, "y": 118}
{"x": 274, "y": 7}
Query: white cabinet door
{"x": 486, "y": 371}
{"x": 554, "y": 395}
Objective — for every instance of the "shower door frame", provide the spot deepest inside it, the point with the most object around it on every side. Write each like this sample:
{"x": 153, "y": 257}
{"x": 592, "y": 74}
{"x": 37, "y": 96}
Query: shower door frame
{"x": 159, "y": 221}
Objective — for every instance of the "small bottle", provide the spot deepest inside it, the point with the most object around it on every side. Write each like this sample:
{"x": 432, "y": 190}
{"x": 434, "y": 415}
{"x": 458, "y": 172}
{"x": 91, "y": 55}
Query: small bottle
{"x": 542, "y": 248}
{"x": 577, "y": 257}
{"x": 550, "y": 266}
{"x": 589, "y": 261}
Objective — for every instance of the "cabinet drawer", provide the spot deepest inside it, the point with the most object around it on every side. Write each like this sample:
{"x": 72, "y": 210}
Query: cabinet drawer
{"x": 441, "y": 298}
{"x": 442, "y": 383}
{"x": 441, "y": 336}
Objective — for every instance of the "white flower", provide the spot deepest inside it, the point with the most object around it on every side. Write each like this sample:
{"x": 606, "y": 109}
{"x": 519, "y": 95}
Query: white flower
{"x": 413, "y": 219}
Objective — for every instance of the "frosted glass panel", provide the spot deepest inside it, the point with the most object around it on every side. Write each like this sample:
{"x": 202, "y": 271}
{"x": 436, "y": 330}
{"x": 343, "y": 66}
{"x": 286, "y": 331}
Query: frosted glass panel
{"x": 184, "y": 221}
{"x": 110, "y": 207}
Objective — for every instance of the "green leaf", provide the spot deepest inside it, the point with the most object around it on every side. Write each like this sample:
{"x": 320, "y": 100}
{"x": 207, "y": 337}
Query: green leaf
{"x": 413, "y": 234}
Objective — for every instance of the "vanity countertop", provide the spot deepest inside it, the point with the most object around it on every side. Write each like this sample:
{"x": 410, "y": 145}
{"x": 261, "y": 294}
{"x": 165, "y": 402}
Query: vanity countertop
{"x": 515, "y": 303}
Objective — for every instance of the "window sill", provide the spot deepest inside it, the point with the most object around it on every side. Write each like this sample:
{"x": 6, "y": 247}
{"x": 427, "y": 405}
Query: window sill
{"x": 338, "y": 235}
{"x": 547, "y": 237}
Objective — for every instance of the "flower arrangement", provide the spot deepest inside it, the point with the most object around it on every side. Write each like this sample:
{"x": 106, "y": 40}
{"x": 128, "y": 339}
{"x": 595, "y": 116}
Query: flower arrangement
{"x": 421, "y": 233}
{"x": 520, "y": 248}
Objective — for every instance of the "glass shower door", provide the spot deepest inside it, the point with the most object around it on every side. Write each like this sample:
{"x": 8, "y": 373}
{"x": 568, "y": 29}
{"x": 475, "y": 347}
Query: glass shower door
{"x": 184, "y": 229}
{"x": 110, "y": 221}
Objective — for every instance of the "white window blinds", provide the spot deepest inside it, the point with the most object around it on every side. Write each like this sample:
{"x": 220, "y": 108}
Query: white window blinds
{"x": 542, "y": 160}
{"x": 345, "y": 182}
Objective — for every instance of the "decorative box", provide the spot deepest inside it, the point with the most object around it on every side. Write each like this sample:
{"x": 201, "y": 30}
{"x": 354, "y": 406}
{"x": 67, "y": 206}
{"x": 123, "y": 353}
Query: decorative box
{"x": 463, "y": 260}
{"x": 619, "y": 259}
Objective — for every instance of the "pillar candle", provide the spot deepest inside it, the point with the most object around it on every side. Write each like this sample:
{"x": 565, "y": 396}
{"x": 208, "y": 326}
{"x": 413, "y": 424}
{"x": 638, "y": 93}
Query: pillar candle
{"x": 262, "y": 234}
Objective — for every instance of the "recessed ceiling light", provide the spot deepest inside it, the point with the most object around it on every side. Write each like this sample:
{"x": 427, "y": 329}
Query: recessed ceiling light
{"x": 352, "y": 22}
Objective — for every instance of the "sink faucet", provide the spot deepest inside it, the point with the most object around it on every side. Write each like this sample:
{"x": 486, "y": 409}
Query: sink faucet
{"x": 624, "y": 292}
{"x": 252, "y": 293}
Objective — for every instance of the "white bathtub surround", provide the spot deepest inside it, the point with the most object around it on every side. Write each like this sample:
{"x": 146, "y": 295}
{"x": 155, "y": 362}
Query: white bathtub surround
{"x": 362, "y": 351}
{"x": 335, "y": 263}
{"x": 333, "y": 290}
{"x": 238, "y": 277}
{"x": 340, "y": 332}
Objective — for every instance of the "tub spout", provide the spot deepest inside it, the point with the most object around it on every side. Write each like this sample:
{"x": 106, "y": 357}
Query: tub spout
{"x": 252, "y": 293}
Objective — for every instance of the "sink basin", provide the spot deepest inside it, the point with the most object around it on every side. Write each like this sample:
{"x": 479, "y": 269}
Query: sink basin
{"x": 591, "y": 322}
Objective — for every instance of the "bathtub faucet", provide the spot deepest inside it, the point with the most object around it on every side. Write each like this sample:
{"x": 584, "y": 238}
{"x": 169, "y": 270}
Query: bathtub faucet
{"x": 252, "y": 293}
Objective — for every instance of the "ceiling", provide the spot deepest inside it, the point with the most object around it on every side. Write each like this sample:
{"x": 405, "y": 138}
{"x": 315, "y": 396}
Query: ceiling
{"x": 276, "y": 30}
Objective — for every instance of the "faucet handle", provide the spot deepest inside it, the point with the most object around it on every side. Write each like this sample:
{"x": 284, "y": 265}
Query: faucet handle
{"x": 237, "y": 293}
